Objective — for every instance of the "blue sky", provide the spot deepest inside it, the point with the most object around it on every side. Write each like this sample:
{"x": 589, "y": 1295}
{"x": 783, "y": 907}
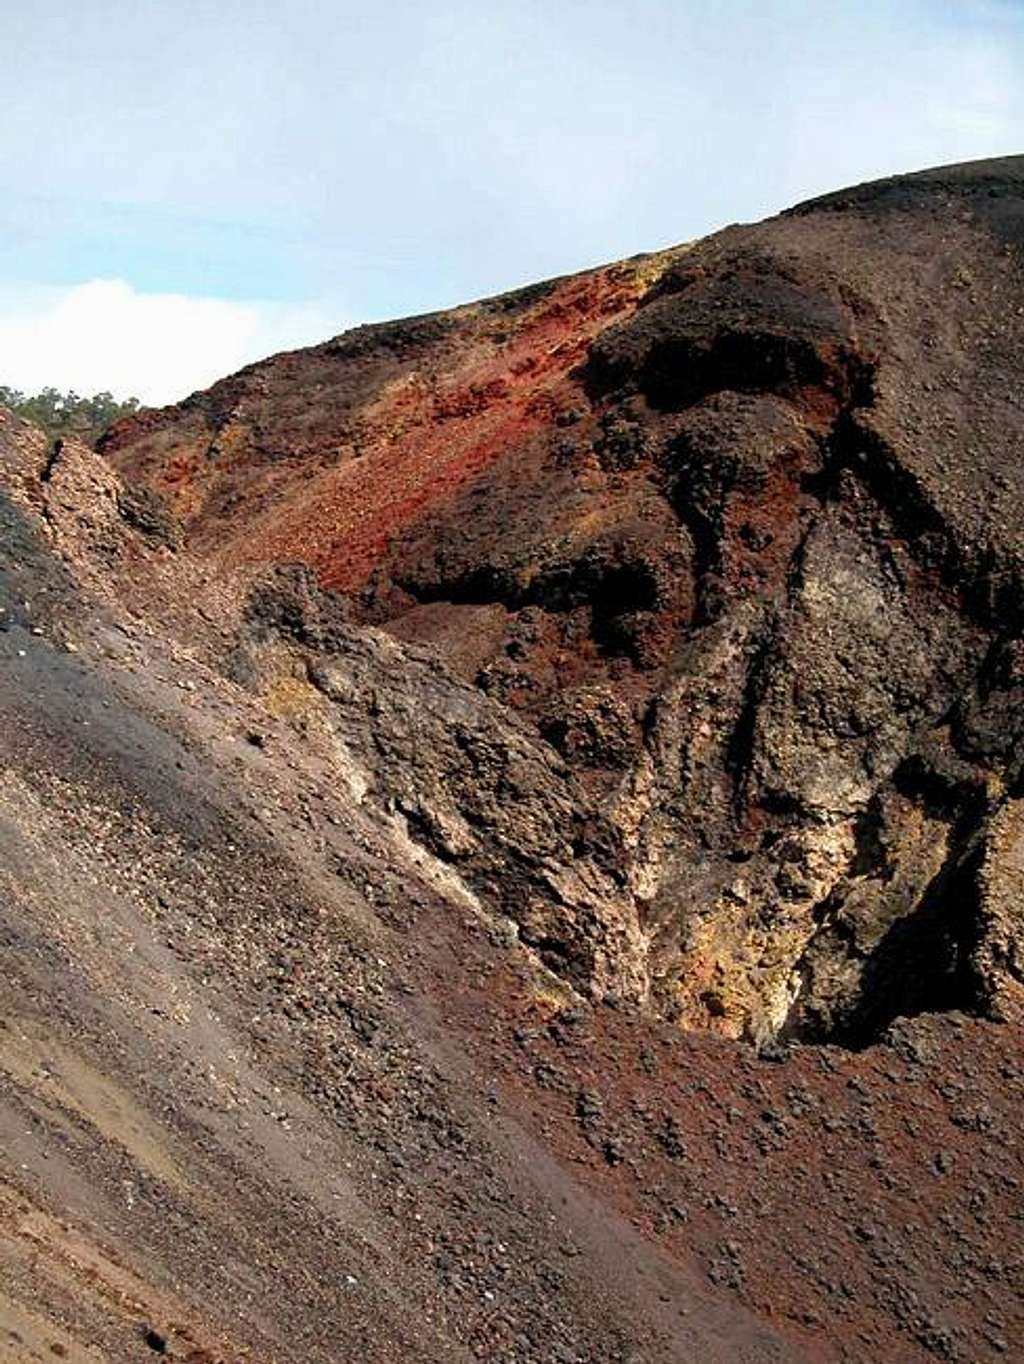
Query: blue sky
{"x": 186, "y": 186}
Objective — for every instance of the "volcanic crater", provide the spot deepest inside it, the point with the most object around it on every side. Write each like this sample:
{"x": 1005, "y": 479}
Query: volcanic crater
{"x": 513, "y": 823}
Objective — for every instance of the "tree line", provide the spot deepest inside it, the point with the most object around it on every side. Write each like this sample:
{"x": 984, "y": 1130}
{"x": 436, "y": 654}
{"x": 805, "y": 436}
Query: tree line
{"x": 68, "y": 414}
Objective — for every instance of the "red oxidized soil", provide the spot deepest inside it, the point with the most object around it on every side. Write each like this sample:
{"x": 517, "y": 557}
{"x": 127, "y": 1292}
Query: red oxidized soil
{"x": 429, "y": 429}
{"x": 344, "y": 522}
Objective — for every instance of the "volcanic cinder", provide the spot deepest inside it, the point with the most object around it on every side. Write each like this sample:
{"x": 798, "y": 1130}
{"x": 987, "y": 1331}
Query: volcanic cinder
{"x": 513, "y": 823}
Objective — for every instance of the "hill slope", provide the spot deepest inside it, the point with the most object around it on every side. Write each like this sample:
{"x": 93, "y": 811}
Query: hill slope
{"x": 423, "y": 757}
{"x": 738, "y": 529}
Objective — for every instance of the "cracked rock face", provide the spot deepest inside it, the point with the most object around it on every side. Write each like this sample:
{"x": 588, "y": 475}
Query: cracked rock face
{"x": 477, "y": 790}
{"x": 695, "y": 595}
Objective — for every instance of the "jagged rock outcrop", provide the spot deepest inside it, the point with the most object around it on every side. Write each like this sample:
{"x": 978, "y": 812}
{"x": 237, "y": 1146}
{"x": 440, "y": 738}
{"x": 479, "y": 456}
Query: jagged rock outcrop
{"x": 468, "y": 783}
{"x": 737, "y": 530}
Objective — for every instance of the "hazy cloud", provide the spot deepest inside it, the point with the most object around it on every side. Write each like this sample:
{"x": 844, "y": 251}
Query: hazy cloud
{"x": 411, "y": 154}
{"x": 159, "y": 347}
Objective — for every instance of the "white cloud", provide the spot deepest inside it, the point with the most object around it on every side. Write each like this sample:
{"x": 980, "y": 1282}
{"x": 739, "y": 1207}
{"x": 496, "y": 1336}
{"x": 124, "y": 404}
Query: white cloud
{"x": 103, "y": 335}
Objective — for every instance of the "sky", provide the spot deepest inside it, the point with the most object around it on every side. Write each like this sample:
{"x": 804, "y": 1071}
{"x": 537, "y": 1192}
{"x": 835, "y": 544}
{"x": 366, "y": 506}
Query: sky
{"x": 187, "y": 186}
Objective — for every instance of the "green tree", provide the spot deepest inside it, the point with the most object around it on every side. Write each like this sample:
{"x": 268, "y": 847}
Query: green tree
{"x": 68, "y": 414}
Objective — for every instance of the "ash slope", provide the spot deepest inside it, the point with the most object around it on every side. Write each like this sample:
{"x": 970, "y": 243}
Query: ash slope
{"x": 736, "y": 531}
{"x": 257, "y": 1098}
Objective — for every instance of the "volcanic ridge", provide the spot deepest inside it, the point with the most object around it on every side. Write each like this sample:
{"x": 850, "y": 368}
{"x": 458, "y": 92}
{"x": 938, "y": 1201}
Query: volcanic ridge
{"x": 512, "y": 823}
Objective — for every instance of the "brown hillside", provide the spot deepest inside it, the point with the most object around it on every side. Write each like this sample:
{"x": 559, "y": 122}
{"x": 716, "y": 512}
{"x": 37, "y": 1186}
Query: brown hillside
{"x": 512, "y": 825}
